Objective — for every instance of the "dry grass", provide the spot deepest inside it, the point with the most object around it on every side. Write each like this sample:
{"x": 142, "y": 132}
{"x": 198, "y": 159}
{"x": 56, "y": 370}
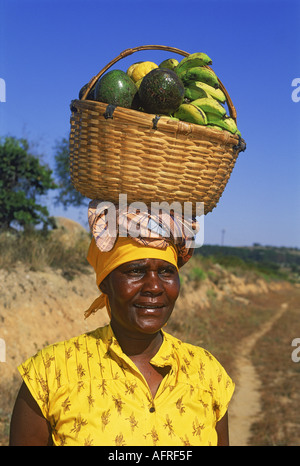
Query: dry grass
{"x": 219, "y": 327}
{"x": 39, "y": 250}
{"x": 279, "y": 423}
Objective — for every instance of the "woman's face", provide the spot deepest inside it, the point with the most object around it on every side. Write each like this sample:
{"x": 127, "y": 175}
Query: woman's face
{"x": 142, "y": 295}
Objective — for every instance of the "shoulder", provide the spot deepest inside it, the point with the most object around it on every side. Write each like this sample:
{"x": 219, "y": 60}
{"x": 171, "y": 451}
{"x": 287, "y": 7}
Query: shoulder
{"x": 59, "y": 365}
{"x": 198, "y": 367}
{"x": 199, "y": 361}
{"x": 49, "y": 353}
{"x": 54, "y": 362}
{"x": 193, "y": 352}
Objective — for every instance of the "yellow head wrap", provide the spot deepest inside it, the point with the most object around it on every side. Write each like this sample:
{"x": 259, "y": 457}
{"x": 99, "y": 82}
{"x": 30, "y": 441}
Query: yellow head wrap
{"x": 125, "y": 250}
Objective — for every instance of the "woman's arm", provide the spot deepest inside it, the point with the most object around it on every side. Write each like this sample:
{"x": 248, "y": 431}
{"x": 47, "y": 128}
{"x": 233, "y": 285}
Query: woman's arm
{"x": 222, "y": 431}
{"x": 28, "y": 425}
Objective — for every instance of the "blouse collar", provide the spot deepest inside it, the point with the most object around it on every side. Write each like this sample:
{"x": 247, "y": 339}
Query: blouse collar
{"x": 165, "y": 356}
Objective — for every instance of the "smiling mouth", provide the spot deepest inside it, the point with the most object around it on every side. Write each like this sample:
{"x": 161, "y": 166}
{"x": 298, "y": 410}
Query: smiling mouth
{"x": 149, "y": 306}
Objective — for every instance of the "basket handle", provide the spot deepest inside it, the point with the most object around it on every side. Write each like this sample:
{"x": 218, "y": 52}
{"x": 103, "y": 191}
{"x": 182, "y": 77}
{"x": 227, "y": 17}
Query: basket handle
{"x": 165, "y": 48}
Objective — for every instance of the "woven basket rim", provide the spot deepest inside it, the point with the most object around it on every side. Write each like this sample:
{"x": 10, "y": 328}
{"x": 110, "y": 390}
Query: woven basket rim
{"x": 163, "y": 123}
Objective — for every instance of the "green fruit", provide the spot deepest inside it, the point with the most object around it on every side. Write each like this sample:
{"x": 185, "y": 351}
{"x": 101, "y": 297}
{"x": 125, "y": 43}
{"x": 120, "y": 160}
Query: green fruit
{"x": 202, "y": 74}
{"x": 210, "y": 105}
{"x": 191, "y": 113}
{"x": 90, "y": 95}
{"x": 197, "y": 89}
{"x": 226, "y": 122}
{"x": 191, "y": 61}
{"x": 170, "y": 64}
{"x": 161, "y": 91}
{"x": 193, "y": 92}
{"x": 217, "y": 128}
{"x": 116, "y": 88}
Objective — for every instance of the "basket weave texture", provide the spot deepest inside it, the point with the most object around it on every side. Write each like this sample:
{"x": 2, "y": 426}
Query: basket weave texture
{"x": 147, "y": 158}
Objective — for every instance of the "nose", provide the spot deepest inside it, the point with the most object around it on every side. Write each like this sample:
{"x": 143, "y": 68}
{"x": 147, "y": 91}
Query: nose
{"x": 152, "y": 284}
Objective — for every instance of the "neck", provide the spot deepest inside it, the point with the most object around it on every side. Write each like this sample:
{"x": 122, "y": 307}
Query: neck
{"x": 143, "y": 345}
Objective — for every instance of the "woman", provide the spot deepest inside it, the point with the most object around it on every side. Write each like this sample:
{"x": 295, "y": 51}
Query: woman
{"x": 130, "y": 382}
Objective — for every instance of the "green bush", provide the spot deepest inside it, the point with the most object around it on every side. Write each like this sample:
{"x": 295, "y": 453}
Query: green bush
{"x": 197, "y": 274}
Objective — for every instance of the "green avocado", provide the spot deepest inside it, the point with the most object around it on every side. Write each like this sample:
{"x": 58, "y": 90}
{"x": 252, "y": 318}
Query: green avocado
{"x": 161, "y": 91}
{"x": 90, "y": 95}
{"x": 116, "y": 88}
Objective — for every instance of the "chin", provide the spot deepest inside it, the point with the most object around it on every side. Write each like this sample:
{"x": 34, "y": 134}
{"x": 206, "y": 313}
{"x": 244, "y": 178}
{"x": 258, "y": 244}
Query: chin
{"x": 151, "y": 325}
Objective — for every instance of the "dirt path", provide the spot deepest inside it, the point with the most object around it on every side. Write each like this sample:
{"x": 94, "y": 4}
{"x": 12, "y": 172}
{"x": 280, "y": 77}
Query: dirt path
{"x": 246, "y": 406}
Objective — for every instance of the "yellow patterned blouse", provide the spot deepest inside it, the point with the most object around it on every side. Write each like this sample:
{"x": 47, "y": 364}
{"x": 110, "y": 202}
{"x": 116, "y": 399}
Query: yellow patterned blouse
{"x": 93, "y": 394}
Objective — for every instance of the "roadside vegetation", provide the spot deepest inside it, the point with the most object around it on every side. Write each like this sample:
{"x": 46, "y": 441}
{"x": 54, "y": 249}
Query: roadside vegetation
{"x": 37, "y": 250}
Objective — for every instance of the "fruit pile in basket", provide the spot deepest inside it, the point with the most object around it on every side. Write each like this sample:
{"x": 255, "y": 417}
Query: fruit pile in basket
{"x": 188, "y": 90}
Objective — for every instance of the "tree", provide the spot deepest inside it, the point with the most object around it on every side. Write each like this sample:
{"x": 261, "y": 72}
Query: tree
{"x": 22, "y": 180}
{"x": 68, "y": 196}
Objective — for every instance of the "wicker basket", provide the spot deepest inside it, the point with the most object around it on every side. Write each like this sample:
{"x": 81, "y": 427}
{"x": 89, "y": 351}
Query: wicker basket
{"x": 146, "y": 157}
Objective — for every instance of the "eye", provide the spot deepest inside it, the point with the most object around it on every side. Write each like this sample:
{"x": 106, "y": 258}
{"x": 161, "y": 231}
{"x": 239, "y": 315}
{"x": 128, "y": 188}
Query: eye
{"x": 167, "y": 271}
{"x": 135, "y": 271}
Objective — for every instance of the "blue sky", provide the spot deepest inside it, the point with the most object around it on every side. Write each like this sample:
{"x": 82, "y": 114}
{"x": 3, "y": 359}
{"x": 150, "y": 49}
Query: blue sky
{"x": 49, "y": 49}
